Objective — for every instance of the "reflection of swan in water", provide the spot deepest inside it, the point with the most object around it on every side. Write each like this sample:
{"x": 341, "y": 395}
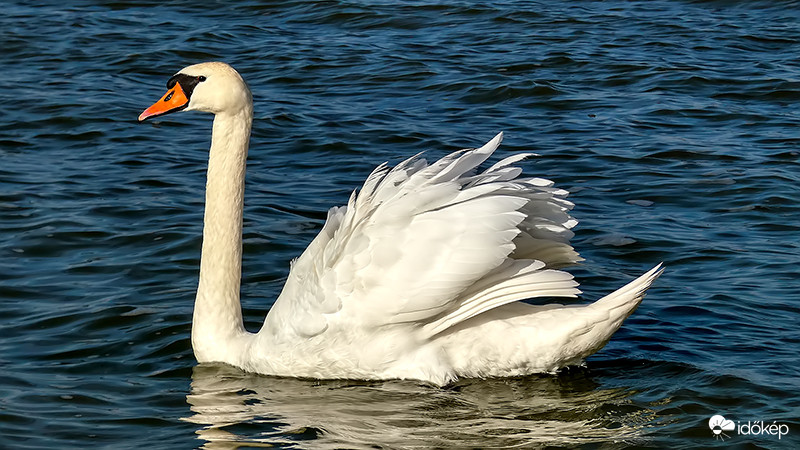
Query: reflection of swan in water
{"x": 235, "y": 408}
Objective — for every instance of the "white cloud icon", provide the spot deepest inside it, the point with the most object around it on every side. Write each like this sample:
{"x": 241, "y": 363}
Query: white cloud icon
{"x": 718, "y": 424}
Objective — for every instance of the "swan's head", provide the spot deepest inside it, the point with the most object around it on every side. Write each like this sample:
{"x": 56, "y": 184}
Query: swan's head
{"x": 213, "y": 87}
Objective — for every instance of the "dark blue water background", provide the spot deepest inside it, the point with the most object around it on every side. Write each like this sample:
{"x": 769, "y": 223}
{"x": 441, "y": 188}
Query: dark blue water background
{"x": 675, "y": 125}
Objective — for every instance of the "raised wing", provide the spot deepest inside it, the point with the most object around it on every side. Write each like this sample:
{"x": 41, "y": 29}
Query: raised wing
{"x": 431, "y": 245}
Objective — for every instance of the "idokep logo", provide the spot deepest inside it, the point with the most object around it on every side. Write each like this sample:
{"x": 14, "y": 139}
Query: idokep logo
{"x": 719, "y": 425}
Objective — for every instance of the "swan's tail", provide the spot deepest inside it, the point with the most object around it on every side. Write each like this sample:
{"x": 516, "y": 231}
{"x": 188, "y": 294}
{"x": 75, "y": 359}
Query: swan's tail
{"x": 519, "y": 339}
{"x": 606, "y": 315}
{"x": 623, "y": 302}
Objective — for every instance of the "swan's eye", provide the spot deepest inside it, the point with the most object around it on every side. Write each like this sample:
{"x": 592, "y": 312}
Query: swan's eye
{"x": 201, "y": 78}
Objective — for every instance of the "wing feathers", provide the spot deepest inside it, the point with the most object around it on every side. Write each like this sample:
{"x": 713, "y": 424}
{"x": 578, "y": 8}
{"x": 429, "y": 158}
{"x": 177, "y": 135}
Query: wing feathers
{"x": 520, "y": 280}
{"x": 431, "y": 244}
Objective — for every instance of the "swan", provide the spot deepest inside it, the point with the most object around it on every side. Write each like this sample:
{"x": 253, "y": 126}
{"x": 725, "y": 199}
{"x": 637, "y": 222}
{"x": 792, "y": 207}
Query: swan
{"x": 420, "y": 276}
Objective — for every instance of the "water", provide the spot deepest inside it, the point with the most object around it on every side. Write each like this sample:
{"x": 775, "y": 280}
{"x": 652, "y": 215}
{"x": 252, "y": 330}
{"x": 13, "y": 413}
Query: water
{"x": 673, "y": 123}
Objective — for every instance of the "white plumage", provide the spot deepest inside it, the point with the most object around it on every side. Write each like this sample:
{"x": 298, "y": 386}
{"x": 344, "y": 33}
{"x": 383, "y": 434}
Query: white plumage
{"x": 419, "y": 276}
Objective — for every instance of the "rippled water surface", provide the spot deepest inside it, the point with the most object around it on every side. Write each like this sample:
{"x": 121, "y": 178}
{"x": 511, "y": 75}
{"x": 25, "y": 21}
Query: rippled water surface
{"x": 673, "y": 123}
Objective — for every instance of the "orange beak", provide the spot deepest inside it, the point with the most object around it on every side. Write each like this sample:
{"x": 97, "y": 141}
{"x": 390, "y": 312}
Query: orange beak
{"x": 174, "y": 100}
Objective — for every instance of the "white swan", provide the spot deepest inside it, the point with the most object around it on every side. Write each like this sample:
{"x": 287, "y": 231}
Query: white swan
{"x": 418, "y": 277}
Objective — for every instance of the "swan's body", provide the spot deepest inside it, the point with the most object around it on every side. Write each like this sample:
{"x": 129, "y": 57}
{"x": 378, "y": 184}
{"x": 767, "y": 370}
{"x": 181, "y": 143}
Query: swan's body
{"x": 418, "y": 277}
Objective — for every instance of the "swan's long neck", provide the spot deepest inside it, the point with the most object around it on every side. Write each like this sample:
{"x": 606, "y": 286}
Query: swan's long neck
{"x": 217, "y": 329}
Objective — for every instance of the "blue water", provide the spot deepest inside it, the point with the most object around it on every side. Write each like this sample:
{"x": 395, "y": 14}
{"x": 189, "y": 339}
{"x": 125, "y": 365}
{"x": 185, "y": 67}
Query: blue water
{"x": 673, "y": 123}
